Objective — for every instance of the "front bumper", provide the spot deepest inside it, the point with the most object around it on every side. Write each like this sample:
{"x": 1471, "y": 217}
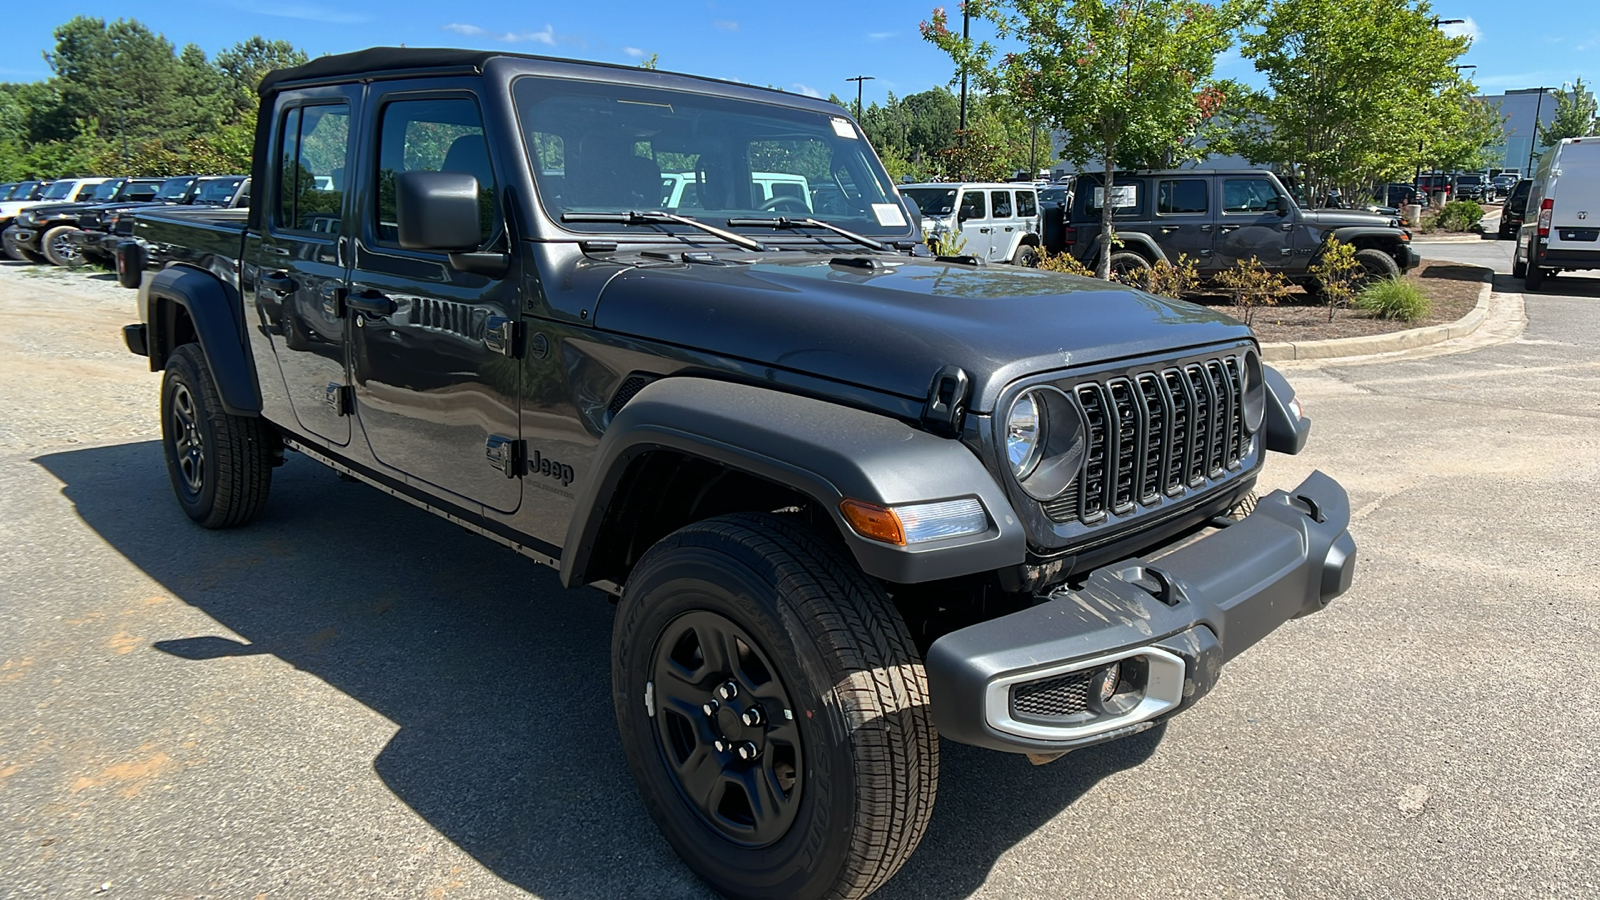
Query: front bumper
{"x": 24, "y": 237}
{"x": 1172, "y": 623}
{"x": 1408, "y": 258}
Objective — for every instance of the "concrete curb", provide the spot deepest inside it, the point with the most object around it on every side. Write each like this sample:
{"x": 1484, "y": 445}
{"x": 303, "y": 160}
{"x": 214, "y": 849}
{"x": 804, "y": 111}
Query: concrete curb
{"x": 1453, "y": 238}
{"x": 1366, "y": 345}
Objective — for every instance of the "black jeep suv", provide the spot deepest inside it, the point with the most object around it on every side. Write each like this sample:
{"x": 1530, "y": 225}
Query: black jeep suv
{"x": 1220, "y": 217}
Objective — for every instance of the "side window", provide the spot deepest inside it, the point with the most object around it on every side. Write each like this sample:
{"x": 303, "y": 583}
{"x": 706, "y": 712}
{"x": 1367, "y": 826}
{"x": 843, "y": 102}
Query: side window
{"x": 1182, "y": 197}
{"x": 972, "y": 206}
{"x": 435, "y": 135}
{"x": 1002, "y": 204}
{"x": 1027, "y": 205}
{"x": 1244, "y": 195}
{"x": 314, "y": 142}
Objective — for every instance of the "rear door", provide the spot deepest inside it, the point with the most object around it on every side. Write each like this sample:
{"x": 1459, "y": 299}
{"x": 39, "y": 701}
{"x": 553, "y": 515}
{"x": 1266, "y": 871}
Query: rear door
{"x": 434, "y": 349}
{"x": 1575, "y": 190}
{"x": 1183, "y": 218}
{"x": 972, "y": 217}
{"x": 298, "y": 266}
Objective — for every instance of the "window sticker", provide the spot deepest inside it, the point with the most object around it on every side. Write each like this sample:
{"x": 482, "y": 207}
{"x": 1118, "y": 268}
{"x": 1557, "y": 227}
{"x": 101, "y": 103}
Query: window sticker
{"x": 843, "y": 128}
{"x": 889, "y": 215}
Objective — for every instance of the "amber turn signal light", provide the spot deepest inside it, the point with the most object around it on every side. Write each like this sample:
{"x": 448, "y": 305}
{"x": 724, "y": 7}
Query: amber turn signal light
{"x": 875, "y": 522}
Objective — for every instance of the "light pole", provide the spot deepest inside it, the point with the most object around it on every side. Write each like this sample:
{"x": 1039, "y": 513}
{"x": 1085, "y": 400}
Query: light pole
{"x": 1533, "y": 141}
{"x": 858, "y": 80}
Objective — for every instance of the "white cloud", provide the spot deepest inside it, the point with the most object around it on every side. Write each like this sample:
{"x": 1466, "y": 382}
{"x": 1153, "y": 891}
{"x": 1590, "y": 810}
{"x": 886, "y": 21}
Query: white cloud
{"x": 880, "y": 35}
{"x": 634, "y": 52}
{"x": 1468, "y": 29}
{"x": 546, "y": 37}
{"x": 726, "y": 24}
{"x": 807, "y": 89}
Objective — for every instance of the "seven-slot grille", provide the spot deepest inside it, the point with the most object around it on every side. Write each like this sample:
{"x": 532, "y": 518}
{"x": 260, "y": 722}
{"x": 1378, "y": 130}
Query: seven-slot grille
{"x": 1164, "y": 432}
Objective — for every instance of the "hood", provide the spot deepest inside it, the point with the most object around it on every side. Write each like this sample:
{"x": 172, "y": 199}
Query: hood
{"x": 892, "y": 326}
{"x": 1342, "y": 218}
{"x": 56, "y": 209}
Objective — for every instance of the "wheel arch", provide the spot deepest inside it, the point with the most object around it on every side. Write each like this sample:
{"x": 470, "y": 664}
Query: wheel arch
{"x": 188, "y": 305}
{"x": 1132, "y": 242}
{"x": 687, "y": 448}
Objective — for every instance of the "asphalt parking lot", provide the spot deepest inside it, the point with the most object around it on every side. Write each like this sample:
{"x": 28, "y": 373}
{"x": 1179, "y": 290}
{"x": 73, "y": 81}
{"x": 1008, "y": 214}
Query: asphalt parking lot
{"x": 351, "y": 698}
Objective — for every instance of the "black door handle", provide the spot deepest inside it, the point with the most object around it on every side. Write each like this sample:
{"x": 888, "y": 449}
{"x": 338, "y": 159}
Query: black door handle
{"x": 1168, "y": 229}
{"x": 277, "y": 282}
{"x": 370, "y": 302}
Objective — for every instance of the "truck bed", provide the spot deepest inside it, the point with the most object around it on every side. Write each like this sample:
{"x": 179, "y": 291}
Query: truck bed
{"x": 200, "y": 236}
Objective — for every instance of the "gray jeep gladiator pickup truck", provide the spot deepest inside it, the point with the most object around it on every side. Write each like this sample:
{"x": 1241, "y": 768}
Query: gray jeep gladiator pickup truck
{"x": 850, "y": 498}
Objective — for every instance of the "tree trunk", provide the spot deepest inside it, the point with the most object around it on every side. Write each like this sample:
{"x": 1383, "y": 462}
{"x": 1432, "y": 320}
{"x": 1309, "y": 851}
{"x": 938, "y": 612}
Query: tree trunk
{"x": 1108, "y": 205}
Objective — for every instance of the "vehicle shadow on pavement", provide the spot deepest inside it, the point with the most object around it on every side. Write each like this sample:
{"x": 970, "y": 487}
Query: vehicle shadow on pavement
{"x": 497, "y": 678}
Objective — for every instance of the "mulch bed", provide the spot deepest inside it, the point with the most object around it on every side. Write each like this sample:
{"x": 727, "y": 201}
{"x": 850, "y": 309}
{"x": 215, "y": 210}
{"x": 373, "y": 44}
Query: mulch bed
{"x": 1452, "y": 287}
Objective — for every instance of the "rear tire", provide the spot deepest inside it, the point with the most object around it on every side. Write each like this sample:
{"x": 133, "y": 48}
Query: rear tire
{"x": 220, "y": 464}
{"x": 1532, "y": 274}
{"x": 57, "y": 249}
{"x": 1129, "y": 267}
{"x": 1026, "y": 256}
{"x": 1519, "y": 269}
{"x": 835, "y": 798}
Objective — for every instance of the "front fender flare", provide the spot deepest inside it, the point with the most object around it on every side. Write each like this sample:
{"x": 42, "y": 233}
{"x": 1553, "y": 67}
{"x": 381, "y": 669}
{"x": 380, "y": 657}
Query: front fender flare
{"x": 824, "y": 450}
{"x": 212, "y": 307}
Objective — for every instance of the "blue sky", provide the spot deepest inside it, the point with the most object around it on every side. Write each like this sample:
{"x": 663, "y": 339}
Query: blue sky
{"x": 808, "y": 47}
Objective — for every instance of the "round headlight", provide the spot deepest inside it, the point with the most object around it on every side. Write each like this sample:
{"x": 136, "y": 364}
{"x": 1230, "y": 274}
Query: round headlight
{"x": 1024, "y": 435}
{"x": 1255, "y": 392}
{"x": 1046, "y": 439}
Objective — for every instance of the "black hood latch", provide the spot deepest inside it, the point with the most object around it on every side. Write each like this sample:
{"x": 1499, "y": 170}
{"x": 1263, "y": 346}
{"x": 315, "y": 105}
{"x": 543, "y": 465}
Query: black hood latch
{"x": 946, "y": 407}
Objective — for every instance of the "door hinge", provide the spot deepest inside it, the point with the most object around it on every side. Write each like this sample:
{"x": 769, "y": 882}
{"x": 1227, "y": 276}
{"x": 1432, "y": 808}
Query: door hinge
{"x": 503, "y": 336}
{"x": 509, "y": 455}
{"x": 339, "y": 399}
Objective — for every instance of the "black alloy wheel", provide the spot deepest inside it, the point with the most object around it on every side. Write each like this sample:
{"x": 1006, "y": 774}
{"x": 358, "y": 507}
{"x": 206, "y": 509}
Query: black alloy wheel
{"x": 725, "y": 729}
{"x": 188, "y": 444}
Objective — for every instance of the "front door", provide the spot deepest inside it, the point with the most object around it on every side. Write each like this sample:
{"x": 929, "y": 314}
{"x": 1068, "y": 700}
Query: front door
{"x": 433, "y": 348}
{"x": 299, "y": 264}
{"x": 1251, "y": 226}
{"x": 976, "y": 230}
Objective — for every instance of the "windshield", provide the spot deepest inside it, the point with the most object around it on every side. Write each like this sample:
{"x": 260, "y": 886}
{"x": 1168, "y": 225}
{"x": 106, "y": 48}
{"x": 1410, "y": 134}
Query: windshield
{"x": 58, "y": 190}
{"x": 174, "y": 188}
{"x": 613, "y": 149}
{"x": 217, "y": 190}
{"x": 1469, "y": 179}
{"x": 105, "y": 190}
{"x": 932, "y": 201}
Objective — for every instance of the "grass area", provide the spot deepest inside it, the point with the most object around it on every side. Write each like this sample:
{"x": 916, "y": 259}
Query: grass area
{"x": 1395, "y": 298}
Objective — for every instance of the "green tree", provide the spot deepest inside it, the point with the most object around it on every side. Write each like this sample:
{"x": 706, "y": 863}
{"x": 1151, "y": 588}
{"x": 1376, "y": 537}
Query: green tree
{"x": 1360, "y": 91}
{"x": 1124, "y": 81}
{"x": 1575, "y": 115}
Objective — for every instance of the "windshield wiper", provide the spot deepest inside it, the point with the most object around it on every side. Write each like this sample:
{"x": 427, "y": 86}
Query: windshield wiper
{"x": 785, "y": 222}
{"x": 656, "y": 217}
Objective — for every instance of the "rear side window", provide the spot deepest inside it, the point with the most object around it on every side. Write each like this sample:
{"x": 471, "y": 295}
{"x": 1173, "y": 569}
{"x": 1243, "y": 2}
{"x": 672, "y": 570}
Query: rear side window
{"x": 433, "y": 135}
{"x": 313, "y": 147}
{"x": 1184, "y": 196}
{"x": 1002, "y": 204}
{"x": 1124, "y": 197}
{"x": 1027, "y": 206}
{"x": 972, "y": 206}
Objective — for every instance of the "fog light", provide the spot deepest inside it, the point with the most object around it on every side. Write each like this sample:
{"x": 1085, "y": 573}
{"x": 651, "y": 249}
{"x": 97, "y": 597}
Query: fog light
{"x": 1105, "y": 681}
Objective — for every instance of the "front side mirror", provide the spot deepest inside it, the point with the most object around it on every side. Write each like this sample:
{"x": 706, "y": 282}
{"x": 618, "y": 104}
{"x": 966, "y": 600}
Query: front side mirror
{"x": 1283, "y": 205}
{"x": 437, "y": 211}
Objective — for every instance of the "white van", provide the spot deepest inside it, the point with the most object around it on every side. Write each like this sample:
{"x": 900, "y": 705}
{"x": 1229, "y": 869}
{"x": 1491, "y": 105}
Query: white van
{"x": 1561, "y": 231}
{"x": 993, "y": 221}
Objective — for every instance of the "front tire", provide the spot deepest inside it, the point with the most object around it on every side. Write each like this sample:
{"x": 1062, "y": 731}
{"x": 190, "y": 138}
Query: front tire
{"x": 754, "y": 618}
{"x": 220, "y": 464}
{"x": 1376, "y": 265}
{"x": 58, "y": 249}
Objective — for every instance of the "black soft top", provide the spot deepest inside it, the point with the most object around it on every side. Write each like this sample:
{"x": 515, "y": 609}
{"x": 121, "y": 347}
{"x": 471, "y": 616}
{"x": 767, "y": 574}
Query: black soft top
{"x": 381, "y": 59}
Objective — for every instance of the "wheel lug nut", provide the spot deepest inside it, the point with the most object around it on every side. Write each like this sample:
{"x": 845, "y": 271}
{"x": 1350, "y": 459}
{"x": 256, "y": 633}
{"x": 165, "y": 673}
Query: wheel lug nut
{"x": 751, "y": 717}
{"x": 710, "y": 709}
{"x": 728, "y": 690}
{"x": 721, "y": 745}
{"x": 747, "y": 751}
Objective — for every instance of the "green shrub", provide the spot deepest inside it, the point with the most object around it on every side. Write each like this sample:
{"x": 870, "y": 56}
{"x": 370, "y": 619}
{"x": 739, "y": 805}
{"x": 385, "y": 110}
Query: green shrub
{"x": 1395, "y": 298}
{"x": 1252, "y": 286}
{"x": 1062, "y": 262}
{"x": 1337, "y": 273}
{"x": 1460, "y": 215}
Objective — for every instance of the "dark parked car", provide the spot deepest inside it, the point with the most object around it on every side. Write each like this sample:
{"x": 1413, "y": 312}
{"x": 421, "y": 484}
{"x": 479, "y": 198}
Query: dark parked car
{"x": 45, "y": 229}
{"x": 1470, "y": 187}
{"x": 1515, "y": 209}
{"x": 1220, "y": 217}
{"x": 851, "y": 500}
{"x": 103, "y": 227}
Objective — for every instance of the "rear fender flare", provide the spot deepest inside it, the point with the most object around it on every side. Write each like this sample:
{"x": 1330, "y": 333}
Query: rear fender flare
{"x": 1136, "y": 241}
{"x": 820, "y": 449}
{"x": 213, "y": 307}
